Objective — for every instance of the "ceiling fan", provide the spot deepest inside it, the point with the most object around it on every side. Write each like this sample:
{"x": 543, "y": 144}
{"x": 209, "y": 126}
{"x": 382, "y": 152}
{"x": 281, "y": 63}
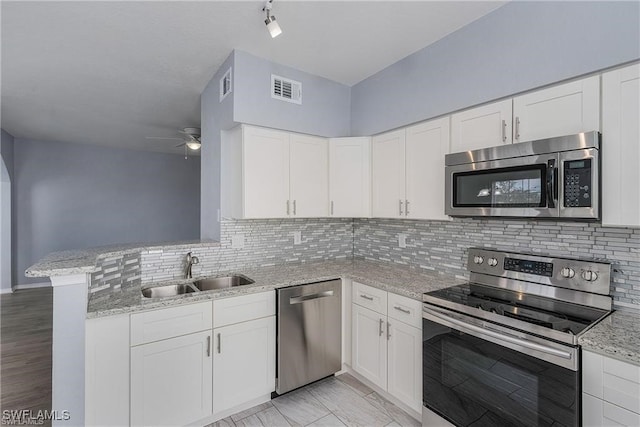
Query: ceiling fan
{"x": 190, "y": 140}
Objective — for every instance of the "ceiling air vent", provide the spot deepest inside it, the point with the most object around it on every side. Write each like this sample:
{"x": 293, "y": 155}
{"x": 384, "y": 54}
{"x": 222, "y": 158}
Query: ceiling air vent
{"x": 286, "y": 89}
{"x": 225, "y": 85}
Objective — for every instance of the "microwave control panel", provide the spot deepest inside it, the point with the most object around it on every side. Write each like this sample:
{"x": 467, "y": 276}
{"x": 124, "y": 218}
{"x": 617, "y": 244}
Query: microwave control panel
{"x": 577, "y": 183}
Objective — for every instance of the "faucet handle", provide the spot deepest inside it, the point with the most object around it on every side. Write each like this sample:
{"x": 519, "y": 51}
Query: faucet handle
{"x": 194, "y": 260}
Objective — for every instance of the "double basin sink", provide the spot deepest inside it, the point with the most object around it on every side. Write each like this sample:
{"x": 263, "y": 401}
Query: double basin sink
{"x": 201, "y": 285}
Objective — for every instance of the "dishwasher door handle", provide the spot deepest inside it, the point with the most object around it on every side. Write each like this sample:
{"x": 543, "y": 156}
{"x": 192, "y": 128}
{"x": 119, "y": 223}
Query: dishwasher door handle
{"x": 303, "y": 298}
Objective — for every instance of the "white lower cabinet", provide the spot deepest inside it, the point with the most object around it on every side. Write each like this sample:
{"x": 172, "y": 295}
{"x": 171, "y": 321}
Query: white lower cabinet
{"x": 611, "y": 391}
{"x": 171, "y": 380}
{"x": 244, "y": 362}
{"x": 386, "y": 350}
{"x": 369, "y": 345}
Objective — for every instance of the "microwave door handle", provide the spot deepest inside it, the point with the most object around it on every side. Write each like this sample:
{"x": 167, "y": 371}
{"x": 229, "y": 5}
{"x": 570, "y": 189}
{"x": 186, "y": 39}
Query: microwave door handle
{"x": 552, "y": 185}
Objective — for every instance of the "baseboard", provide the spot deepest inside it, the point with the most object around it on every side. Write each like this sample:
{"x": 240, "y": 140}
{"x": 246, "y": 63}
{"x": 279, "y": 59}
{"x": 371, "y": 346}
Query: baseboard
{"x": 32, "y": 286}
{"x": 228, "y": 412}
{"x": 6, "y": 291}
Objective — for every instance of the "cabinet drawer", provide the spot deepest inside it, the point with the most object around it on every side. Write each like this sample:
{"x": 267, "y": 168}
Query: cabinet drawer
{"x": 611, "y": 380}
{"x": 598, "y": 413}
{"x": 369, "y": 297}
{"x": 171, "y": 322}
{"x": 240, "y": 309}
{"x": 405, "y": 309}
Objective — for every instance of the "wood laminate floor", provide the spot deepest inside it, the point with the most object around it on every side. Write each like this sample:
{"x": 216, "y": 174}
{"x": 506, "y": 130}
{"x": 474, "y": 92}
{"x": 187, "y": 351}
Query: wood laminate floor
{"x": 335, "y": 402}
{"x": 25, "y": 349}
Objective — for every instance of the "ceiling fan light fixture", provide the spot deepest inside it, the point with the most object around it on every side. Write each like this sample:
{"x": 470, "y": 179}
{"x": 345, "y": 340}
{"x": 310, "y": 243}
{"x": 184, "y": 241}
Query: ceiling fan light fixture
{"x": 194, "y": 145}
{"x": 270, "y": 22}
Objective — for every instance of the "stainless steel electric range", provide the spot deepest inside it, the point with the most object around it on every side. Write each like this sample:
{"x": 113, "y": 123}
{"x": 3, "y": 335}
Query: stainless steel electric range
{"x": 503, "y": 348}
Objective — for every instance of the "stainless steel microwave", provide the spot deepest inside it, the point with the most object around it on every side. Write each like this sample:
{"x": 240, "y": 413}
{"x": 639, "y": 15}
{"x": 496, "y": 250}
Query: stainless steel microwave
{"x": 551, "y": 178}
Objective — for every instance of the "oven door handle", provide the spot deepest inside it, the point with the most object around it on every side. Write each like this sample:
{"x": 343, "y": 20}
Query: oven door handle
{"x": 499, "y": 335}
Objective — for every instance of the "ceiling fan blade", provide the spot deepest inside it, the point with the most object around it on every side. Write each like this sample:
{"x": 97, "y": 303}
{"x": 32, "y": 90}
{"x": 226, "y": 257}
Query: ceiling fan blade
{"x": 180, "y": 145}
{"x": 163, "y": 137}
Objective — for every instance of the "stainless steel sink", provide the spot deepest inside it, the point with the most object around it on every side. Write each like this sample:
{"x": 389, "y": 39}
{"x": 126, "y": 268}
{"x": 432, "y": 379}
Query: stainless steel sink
{"x": 168, "y": 291}
{"x": 221, "y": 282}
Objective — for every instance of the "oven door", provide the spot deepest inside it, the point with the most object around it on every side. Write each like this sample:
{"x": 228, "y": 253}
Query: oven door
{"x": 520, "y": 187}
{"x": 476, "y": 373}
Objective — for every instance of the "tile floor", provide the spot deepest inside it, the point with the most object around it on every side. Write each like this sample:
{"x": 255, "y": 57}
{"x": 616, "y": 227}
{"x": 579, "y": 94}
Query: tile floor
{"x": 335, "y": 401}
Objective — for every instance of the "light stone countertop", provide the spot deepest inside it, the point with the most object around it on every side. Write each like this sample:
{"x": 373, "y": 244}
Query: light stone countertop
{"x": 65, "y": 263}
{"x": 617, "y": 336}
{"x": 400, "y": 279}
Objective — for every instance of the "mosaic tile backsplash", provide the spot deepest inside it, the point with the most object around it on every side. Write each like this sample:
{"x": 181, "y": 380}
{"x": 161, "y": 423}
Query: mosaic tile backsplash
{"x": 442, "y": 245}
{"x": 266, "y": 242}
{"x": 433, "y": 245}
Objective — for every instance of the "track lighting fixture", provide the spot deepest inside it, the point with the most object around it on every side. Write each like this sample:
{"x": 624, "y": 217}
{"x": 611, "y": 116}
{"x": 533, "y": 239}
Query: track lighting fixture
{"x": 272, "y": 25}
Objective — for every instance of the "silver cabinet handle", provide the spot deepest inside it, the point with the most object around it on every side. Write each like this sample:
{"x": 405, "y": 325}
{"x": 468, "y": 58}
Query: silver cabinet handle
{"x": 367, "y": 297}
{"x": 405, "y": 311}
{"x": 388, "y": 331}
{"x": 504, "y": 131}
{"x": 517, "y": 132}
{"x": 219, "y": 343}
{"x": 380, "y": 332}
{"x": 400, "y": 207}
{"x": 287, "y": 207}
{"x": 294, "y": 207}
{"x": 303, "y": 298}
{"x": 332, "y": 207}
{"x": 209, "y": 346}
{"x": 406, "y": 208}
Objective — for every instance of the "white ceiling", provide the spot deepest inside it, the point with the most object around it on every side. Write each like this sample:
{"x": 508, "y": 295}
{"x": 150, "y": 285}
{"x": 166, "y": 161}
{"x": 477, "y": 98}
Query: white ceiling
{"x": 111, "y": 73}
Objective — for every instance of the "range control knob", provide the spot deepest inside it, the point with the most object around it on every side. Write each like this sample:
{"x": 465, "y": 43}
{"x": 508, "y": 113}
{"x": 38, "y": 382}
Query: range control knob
{"x": 568, "y": 272}
{"x": 589, "y": 275}
{"x": 478, "y": 259}
{"x": 492, "y": 262}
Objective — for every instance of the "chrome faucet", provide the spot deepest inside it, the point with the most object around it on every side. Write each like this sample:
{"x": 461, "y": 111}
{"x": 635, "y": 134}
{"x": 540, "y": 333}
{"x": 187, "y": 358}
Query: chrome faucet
{"x": 191, "y": 261}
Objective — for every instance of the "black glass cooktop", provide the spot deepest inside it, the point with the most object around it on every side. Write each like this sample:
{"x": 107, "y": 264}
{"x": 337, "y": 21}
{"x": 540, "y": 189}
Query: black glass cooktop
{"x": 540, "y": 311}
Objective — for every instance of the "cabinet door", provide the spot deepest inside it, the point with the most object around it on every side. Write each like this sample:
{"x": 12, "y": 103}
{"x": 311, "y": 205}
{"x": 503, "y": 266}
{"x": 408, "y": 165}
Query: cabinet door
{"x": 244, "y": 361}
{"x": 266, "y": 173}
{"x": 369, "y": 345}
{"x": 309, "y": 177}
{"x": 598, "y": 413}
{"x": 481, "y": 127}
{"x": 388, "y": 175}
{"x": 171, "y": 380}
{"x": 621, "y": 147}
{"x": 426, "y": 146}
{"x": 350, "y": 177}
{"x": 405, "y": 363}
{"x": 107, "y": 371}
{"x": 559, "y": 110}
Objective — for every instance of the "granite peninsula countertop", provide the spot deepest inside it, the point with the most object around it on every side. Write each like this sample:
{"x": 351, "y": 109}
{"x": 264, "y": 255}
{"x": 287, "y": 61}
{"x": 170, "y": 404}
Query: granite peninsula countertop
{"x": 400, "y": 279}
{"x": 616, "y": 336}
{"x": 65, "y": 263}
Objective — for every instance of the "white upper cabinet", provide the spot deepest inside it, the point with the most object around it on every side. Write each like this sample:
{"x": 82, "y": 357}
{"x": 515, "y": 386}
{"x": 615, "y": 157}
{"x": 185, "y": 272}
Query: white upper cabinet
{"x": 267, "y": 173}
{"x": 309, "y": 176}
{"x": 408, "y": 171}
{"x": 481, "y": 127}
{"x": 621, "y": 147}
{"x": 388, "y": 174}
{"x": 565, "y": 109}
{"x": 426, "y": 146}
{"x": 350, "y": 177}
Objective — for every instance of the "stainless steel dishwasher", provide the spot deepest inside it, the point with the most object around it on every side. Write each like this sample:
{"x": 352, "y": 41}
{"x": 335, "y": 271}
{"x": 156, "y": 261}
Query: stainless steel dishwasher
{"x": 309, "y": 333}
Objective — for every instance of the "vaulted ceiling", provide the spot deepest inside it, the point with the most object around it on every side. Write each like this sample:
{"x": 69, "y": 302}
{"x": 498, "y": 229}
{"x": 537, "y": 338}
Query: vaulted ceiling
{"x": 112, "y": 72}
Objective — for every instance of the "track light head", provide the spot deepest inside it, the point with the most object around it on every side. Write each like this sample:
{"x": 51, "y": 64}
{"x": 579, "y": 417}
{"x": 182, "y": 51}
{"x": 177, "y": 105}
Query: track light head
{"x": 272, "y": 25}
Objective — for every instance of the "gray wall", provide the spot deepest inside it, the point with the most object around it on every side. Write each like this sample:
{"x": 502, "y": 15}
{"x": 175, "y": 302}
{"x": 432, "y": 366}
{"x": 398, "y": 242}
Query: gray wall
{"x": 6, "y": 150}
{"x": 520, "y": 46}
{"x": 72, "y": 196}
{"x": 214, "y": 117}
{"x": 325, "y": 109}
